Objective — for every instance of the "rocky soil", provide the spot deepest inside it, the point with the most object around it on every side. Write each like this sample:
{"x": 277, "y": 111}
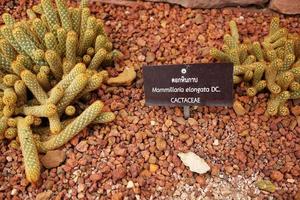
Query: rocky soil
{"x": 135, "y": 157}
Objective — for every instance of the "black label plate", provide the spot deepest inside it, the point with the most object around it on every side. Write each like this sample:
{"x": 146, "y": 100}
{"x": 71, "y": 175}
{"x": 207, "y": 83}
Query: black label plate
{"x": 189, "y": 84}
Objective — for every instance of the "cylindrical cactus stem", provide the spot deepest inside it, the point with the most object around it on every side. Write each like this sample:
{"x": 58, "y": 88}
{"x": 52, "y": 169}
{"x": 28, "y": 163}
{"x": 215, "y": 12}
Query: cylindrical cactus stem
{"x": 55, "y": 63}
{"x": 12, "y": 122}
{"x": 283, "y": 110}
{"x": 86, "y": 59}
{"x": 124, "y": 78}
{"x": 90, "y": 51}
{"x": 8, "y": 19}
{"x": 55, "y": 95}
{"x": 66, "y": 81}
{"x": 10, "y": 133}
{"x": 64, "y": 15}
{"x": 14, "y": 144}
{"x": 234, "y": 56}
{"x": 51, "y": 41}
{"x": 285, "y": 79}
{"x": 295, "y": 94}
{"x": 61, "y": 37}
{"x": 257, "y": 51}
{"x": 214, "y": 52}
{"x": 270, "y": 75}
{"x": 273, "y": 104}
{"x": 10, "y": 79}
{"x": 279, "y": 43}
{"x": 271, "y": 55}
{"x": 24, "y": 41}
{"x": 230, "y": 41}
{"x": 17, "y": 67}
{"x": 274, "y": 25}
{"x": 287, "y": 62}
{"x": 83, "y": 120}
{"x": 296, "y": 72}
{"x": 38, "y": 9}
{"x": 234, "y": 30}
{"x": 98, "y": 59}
{"x": 74, "y": 89}
{"x": 276, "y": 64}
{"x": 8, "y": 35}
{"x": 248, "y": 75}
{"x": 76, "y": 19}
{"x": 289, "y": 47}
{"x": 67, "y": 67}
{"x": 50, "y": 13}
{"x": 40, "y": 30}
{"x": 43, "y": 80}
{"x": 70, "y": 110}
{"x": 5, "y": 64}
{"x": 85, "y": 13}
{"x": 71, "y": 46}
{"x": 29, "y": 151}
{"x": 31, "y": 14}
{"x": 252, "y": 91}
{"x": 39, "y": 57}
{"x": 243, "y": 54}
{"x": 88, "y": 38}
{"x": 280, "y": 53}
{"x": 45, "y": 110}
{"x": 258, "y": 72}
{"x": 3, "y": 125}
{"x": 9, "y": 97}
{"x": 8, "y": 51}
{"x": 9, "y": 110}
{"x": 25, "y": 61}
{"x": 294, "y": 86}
{"x": 21, "y": 91}
{"x": 33, "y": 85}
{"x": 94, "y": 83}
{"x": 104, "y": 117}
{"x": 55, "y": 124}
{"x": 282, "y": 32}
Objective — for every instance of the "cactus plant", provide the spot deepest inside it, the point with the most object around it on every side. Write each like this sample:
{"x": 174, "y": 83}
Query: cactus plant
{"x": 271, "y": 64}
{"x": 48, "y": 63}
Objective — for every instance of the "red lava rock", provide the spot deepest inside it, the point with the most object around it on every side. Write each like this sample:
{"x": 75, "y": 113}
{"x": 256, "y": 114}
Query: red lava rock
{"x": 201, "y": 180}
{"x": 119, "y": 173}
{"x": 44, "y": 195}
{"x": 240, "y": 155}
{"x": 276, "y": 175}
{"x": 296, "y": 110}
{"x": 134, "y": 170}
{"x": 119, "y": 151}
{"x": 285, "y": 6}
{"x": 117, "y": 196}
{"x": 82, "y": 146}
{"x": 53, "y": 158}
{"x": 215, "y": 170}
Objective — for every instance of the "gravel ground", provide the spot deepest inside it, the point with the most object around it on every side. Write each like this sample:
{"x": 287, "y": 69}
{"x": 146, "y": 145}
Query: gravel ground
{"x": 135, "y": 157}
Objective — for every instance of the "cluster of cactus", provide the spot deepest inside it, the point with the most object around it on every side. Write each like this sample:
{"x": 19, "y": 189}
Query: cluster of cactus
{"x": 47, "y": 64}
{"x": 273, "y": 64}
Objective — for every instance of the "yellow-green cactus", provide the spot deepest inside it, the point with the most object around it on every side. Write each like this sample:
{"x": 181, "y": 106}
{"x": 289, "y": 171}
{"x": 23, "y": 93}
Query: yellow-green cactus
{"x": 43, "y": 80}
{"x": 98, "y": 59}
{"x": 51, "y": 41}
{"x": 21, "y": 91}
{"x": 252, "y": 91}
{"x": 8, "y": 19}
{"x": 14, "y": 144}
{"x": 76, "y": 19}
{"x": 45, "y": 110}
{"x": 50, "y": 13}
{"x": 7, "y": 50}
{"x": 8, "y": 110}
{"x": 3, "y": 124}
{"x": 10, "y": 133}
{"x": 29, "y": 151}
{"x": 12, "y": 122}
{"x": 104, "y": 117}
{"x": 83, "y": 120}
{"x": 285, "y": 79}
{"x": 64, "y": 15}
{"x": 9, "y": 97}
{"x": 70, "y": 110}
{"x": 54, "y": 123}
{"x": 273, "y": 104}
{"x": 33, "y": 85}
{"x": 55, "y": 63}
{"x": 10, "y": 79}
{"x": 274, "y": 25}
{"x": 71, "y": 46}
{"x": 74, "y": 89}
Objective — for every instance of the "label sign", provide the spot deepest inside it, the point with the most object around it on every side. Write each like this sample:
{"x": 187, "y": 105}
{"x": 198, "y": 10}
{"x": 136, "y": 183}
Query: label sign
{"x": 189, "y": 84}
